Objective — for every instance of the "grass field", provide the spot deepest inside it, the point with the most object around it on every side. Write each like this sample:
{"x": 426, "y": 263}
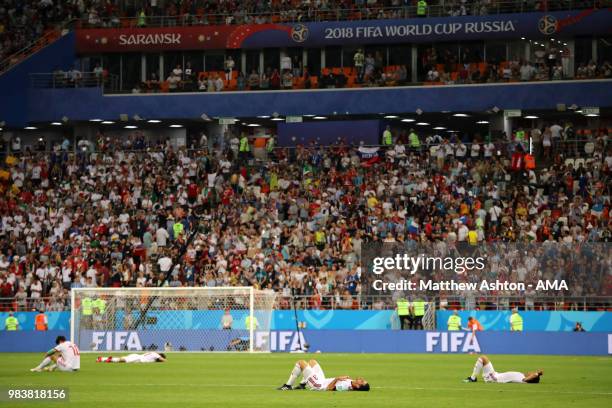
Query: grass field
{"x": 235, "y": 380}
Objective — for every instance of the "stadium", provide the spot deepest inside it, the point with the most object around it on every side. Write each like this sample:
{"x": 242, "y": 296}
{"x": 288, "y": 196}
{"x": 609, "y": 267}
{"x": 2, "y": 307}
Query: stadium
{"x": 239, "y": 202}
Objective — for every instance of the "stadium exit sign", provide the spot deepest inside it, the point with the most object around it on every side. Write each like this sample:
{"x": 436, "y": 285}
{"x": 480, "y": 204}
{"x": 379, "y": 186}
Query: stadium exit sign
{"x": 590, "y": 111}
{"x": 293, "y": 119}
{"x": 227, "y": 121}
{"x": 512, "y": 113}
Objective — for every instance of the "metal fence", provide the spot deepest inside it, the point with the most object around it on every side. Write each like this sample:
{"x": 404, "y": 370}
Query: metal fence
{"x": 489, "y": 302}
{"x": 75, "y": 79}
{"x": 363, "y": 12}
{"x": 362, "y": 302}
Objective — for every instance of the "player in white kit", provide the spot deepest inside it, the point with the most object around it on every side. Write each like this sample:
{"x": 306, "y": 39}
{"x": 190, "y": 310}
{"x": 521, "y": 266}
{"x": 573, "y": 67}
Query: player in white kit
{"x": 148, "y": 357}
{"x": 483, "y": 365}
{"x": 314, "y": 379}
{"x": 63, "y": 357}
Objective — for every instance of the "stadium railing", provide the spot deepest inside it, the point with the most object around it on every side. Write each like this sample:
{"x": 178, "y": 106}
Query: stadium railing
{"x": 335, "y": 14}
{"x": 385, "y": 302}
{"x": 72, "y": 79}
{"x": 378, "y": 302}
{"x": 576, "y": 151}
{"x": 28, "y": 304}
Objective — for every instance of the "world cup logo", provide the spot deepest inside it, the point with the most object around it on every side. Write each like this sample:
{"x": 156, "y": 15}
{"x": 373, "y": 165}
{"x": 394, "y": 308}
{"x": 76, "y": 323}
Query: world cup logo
{"x": 547, "y": 25}
{"x": 299, "y": 33}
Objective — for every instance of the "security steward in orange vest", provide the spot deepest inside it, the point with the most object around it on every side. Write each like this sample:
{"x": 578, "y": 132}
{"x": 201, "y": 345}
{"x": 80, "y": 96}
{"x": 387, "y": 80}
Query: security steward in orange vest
{"x": 41, "y": 323}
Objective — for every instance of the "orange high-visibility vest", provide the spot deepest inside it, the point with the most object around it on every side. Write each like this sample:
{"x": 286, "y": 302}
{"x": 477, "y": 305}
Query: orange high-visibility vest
{"x": 529, "y": 162}
{"x": 40, "y": 322}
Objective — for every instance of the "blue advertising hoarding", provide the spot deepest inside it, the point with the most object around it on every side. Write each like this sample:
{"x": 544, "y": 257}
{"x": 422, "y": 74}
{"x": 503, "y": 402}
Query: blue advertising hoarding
{"x": 350, "y": 320}
{"x": 326, "y": 341}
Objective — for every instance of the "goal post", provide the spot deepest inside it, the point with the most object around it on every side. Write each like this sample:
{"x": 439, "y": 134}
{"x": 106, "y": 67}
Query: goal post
{"x": 204, "y": 319}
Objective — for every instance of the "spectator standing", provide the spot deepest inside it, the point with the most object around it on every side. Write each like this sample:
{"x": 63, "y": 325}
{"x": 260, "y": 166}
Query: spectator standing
{"x": 245, "y": 147}
{"x": 11, "y": 323}
{"x": 251, "y": 323}
{"x": 403, "y": 313}
{"x": 454, "y": 321}
{"x": 387, "y": 139}
{"x": 422, "y": 8}
{"x": 516, "y": 321}
{"x": 285, "y": 63}
{"x": 229, "y": 68}
{"x": 227, "y": 320}
{"x": 254, "y": 81}
{"x": 41, "y": 323}
{"x": 142, "y": 18}
{"x": 358, "y": 60}
{"x": 418, "y": 308}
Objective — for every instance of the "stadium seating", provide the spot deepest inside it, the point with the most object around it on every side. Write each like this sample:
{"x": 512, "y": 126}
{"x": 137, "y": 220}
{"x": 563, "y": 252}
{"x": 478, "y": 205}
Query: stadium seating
{"x": 137, "y": 230}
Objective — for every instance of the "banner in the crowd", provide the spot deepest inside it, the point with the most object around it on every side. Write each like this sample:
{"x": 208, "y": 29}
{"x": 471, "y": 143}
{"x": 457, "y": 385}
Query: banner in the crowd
{"x": 464, "y": 28}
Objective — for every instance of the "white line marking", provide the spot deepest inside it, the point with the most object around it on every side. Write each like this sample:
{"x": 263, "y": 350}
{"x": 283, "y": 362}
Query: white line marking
{"x": 490, "y": 388}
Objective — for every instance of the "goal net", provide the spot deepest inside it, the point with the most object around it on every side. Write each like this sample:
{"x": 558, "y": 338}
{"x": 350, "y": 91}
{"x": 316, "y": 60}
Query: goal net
{"x": 172, "y": 319}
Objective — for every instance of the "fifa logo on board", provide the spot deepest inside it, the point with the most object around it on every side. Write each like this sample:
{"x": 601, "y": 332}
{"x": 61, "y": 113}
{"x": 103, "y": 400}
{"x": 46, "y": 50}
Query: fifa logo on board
{"x": 548, "y": 25}
{"x": 299, "y": 33}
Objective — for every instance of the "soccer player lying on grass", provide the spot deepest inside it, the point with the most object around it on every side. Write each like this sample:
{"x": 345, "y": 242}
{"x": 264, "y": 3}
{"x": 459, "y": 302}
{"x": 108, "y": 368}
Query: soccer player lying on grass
{"x": 63, "y": 357}
{"x": 149, "y": 357}
{"x": 483, "y": 364}
{"x": 314, "y": 379}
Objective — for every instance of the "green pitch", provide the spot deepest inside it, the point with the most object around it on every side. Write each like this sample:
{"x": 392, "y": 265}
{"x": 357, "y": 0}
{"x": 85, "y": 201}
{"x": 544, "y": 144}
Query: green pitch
{"x": 241, "y": 380}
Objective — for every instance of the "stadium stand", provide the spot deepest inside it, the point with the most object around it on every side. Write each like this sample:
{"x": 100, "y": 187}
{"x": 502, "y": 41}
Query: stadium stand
{"x": 26, "y": 26}
{"x": 106, "y": 213}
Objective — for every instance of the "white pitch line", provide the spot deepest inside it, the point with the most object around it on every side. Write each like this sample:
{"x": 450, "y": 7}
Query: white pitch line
{"x": 389, "y": 387}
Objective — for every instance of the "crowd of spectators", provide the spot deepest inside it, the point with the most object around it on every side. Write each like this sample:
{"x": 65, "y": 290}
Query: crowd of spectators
{"x": 115, "y": 212}
{"x": 368, "y": 70}
{"x": 204, "y": 12}
{"x": 23, "y": 22}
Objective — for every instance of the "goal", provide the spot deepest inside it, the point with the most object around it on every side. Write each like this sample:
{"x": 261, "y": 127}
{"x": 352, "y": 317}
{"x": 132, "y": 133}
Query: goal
{"x": 205, "y": 319}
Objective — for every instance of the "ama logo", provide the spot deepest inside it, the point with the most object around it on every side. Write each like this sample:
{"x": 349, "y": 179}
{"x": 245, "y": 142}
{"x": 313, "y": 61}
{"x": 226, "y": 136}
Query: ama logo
{"x": 451, "y": 342}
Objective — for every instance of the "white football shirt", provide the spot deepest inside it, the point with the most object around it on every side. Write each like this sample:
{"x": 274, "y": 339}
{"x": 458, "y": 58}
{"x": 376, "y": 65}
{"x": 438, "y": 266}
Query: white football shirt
{"x": 150, "y": 357}
{"x": 71, "y": 357}
{"x": 344, "y": 385}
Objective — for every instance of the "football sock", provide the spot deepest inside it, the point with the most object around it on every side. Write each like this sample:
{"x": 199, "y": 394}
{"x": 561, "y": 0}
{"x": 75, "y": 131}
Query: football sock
{"x": 295, "y": 373}
{"x": 46, "y": 361}
{"x": 477, "y": 369}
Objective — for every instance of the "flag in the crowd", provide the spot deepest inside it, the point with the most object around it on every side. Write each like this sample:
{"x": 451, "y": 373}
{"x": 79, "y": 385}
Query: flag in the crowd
{"x": 413, "y": 227}
{"x": 368, "y": 155}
